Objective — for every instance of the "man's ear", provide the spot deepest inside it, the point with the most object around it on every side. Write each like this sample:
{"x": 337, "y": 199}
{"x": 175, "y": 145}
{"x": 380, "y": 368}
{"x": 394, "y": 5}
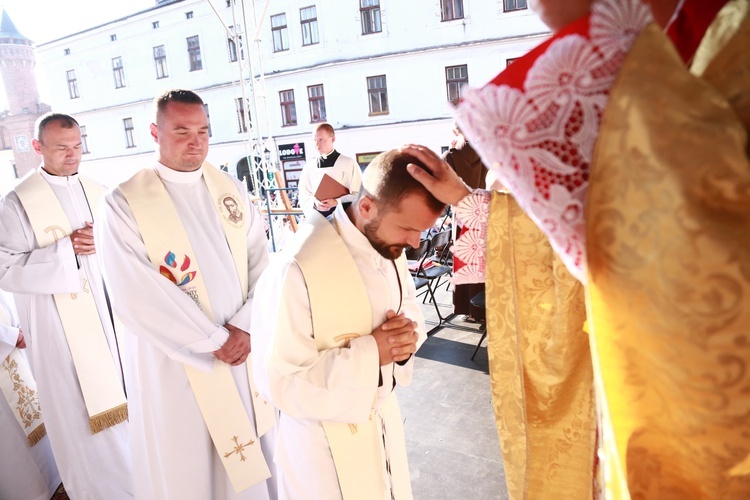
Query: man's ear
{"x": 37, "y": 146}
{"x": 368, "y": 209}
{"x": 155, "y": 132}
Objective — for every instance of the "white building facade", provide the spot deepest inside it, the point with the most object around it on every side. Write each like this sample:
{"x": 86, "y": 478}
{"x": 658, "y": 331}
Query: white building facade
{"x": 381, "y": 72}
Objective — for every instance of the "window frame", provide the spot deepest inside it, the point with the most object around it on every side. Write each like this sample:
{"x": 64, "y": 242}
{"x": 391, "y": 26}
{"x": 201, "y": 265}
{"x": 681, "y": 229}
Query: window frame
{"x": 280, "y": 33}
{"x": 160, "y": 62}
{"x": 455, "y": 83}
{"x": 309, "y": 24}
{"x": 317, "y": 103}
{"x": 129, "y": 132}
{"x": 288, "y": 108}
{"x": 118, "y": 72}
{"x": 242, "y": 118}
{"x": 449, "y": 8}
{"x": 208, "y": 119}
{"x": 194, "y": 53}
{"x": 84, "y": 140}
{"x": 232, "y": 46}
{"x": 72, "y": 80}
{"x": 516, "y": 7}
{"x": 382, "y": 94}
{"x": 367, "y": 19}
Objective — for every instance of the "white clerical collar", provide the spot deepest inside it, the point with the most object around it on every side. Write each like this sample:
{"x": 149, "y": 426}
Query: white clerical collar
{"x": 58, "y": 180}
{"x": 354, "y": 239}
{"x": 176, "y": 176}
{"x": 325, "y": 156}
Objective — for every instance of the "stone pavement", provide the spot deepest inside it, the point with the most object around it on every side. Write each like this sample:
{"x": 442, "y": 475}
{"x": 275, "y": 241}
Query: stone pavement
{"x": 451, "y": 438}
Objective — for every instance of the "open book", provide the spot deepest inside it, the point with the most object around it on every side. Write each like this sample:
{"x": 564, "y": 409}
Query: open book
{"x": 330, "y": 188}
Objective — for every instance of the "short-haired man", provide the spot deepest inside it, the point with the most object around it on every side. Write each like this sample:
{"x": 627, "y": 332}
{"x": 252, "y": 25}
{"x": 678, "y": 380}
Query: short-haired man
{"x": 332, "y": 341}
{"x": 182, "y": 248}
{"x": 48, "y": 261}
{"x": 339, "y": 167}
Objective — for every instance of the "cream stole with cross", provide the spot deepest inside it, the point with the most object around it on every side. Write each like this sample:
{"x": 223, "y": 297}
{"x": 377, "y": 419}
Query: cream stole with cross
{"x": 232, "y": 432}
{"x": 100, "y": 383}
{"x": 357, "y": 449}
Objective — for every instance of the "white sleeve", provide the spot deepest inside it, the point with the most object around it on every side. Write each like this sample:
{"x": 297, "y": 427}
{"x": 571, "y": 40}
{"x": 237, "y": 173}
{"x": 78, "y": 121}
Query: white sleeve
{"x": 257, "y": 261}
{"x": 149, "y": 305}
{"x": 305, "y": 196}
{"x": 354, "y": 175}
{"x": 410, "y": 308}
{"x": 336, "y": 385}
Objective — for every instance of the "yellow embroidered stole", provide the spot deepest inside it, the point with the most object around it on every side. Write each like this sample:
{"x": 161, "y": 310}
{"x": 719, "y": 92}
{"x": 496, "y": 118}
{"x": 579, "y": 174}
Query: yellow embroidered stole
{"x": 540, "y": 362}
{"x": 19, "y": 389}
{"x": 231, "y": 430}
{"x": 97, "y": 374}
{"x": 668, "y": 240}
{"x": 357, "y": 449}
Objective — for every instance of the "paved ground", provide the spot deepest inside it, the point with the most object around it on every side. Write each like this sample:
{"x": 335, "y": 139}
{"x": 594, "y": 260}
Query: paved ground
{"x": 451, "y": 439}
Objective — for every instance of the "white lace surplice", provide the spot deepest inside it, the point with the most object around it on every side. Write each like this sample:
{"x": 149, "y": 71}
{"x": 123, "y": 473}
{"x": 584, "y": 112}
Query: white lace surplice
{"x": 540, "y": 141}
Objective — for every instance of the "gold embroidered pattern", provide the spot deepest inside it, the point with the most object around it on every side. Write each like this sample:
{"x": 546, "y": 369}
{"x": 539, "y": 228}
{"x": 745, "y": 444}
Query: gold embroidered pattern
{"x": 239, "y": 448}
{"x": 27, "y": 405}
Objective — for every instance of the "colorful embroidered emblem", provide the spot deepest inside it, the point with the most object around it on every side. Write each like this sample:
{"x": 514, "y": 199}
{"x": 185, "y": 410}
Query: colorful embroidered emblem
{"x": 171, "y": 261}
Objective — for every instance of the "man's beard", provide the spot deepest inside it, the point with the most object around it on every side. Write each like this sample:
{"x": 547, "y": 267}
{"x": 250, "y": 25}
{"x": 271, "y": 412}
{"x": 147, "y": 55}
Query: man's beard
{"x": 390, "y": 252}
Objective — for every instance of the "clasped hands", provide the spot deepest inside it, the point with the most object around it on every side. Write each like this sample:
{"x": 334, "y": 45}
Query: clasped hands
{"x": 237, "y": 347}
{"x": 83, "y": 240}
{"x": 396, "y": 338}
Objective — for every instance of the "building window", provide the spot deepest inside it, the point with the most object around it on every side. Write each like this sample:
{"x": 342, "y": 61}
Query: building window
{"x": 129, "y": 140}
{"x": 309, "y": 21}
{"x": 455, "y": 78}
{"x": 189, "y": 15}
{"x": 72, "y": 83}
{"x": 155, "y": 24}
{"x": 511, "y": 5}
{"x": 239, "y": 104}
{"x": 452, "y": 9}
{"x": 288, "y": 109}
{"x": 160, "y": 60}
{"x": 66, "y": 52}
{"x": 317, "y": 103}
{"x": 377, "y": 91}
{"x": 369, "y": 11}
{"x": 194, "y": 53}
{"x": 112, "y": 38}
{"x": 118, "y": 72}
{"x": 208, "y": 119}
{"x": 84, "y": 140}
{"x": 279, "y": 32}
{"x": 229, "y": 3}
{"x": 232, "y": 44}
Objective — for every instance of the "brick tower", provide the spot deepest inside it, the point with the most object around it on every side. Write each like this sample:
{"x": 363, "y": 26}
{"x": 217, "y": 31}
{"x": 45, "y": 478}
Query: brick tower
{"x": 17, "y": 122}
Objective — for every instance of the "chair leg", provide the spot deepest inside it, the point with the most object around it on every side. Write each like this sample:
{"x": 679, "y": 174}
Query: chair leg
{"x": 434, "y": 303}
{"x": 484, "y": 335}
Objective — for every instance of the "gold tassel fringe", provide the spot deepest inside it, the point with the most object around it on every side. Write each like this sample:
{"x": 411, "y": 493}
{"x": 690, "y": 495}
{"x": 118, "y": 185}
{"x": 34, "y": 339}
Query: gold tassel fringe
{"x": 108, "y": 418}
{"x": 37, "y": 434}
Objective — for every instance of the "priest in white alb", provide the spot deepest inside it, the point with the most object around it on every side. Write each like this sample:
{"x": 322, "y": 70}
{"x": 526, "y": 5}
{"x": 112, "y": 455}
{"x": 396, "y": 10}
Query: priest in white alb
{"x": 182, "y": 249}
{"x": 27, "y": 467}
{"x": 336, "y": 324}
{"x": 48, "y": 262}
{"x": 338, "y": 167}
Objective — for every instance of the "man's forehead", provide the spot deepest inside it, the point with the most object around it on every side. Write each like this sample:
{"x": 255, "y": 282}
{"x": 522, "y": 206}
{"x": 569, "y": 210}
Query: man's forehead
{"x": 58, "y": 134}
